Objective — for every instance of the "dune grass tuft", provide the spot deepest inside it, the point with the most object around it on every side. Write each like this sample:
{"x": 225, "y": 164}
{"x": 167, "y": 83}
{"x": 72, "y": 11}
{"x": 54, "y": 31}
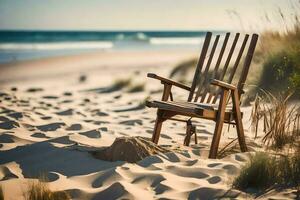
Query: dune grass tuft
{"x": 138, "y": 87}
{"x": 40, "y": 191}
{"x": 264, "y": 171}
{"x": 281, "y": 121}
{"x": 181, "y": 71}
{"x": 279, "y": 54}
{"x": 258, "y": 173}
{"x": 121, "y": 83}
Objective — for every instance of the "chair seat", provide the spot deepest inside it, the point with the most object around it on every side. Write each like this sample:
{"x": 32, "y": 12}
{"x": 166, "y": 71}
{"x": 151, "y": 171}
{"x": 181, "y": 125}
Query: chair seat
{"x": 192, "y": 109}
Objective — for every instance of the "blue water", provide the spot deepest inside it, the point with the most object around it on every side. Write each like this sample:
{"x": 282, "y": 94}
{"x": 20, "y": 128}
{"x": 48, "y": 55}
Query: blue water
{"x": 28, "y": 45}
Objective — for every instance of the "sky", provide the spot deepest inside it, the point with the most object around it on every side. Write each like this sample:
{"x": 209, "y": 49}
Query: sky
{"x": 146, "y": 14}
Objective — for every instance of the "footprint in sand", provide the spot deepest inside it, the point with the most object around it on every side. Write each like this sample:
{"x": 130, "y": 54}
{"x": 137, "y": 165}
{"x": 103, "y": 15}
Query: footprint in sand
{"x": 6, "y": 174}
{"x": 161, "y": 188}
{"x": 65, "y": 112}
{"x": 105, "y": 129}
{"x": 114, "y": 191}
{"x": 213, "y": 193}
{"x": 132, "y": 122}
{"x": 99, "y": 122}
{"x": 3, "y": 119}
{"x": 192, "y": 173}
{"x": 51, "y": 126}
{"x": 46, "y": 117}
{"x": 67, "y": 94}
{"x": 231, "y": 169}
{"x": 212, "y": 165}
{"x": 3, "y": 94}
{"x": 240, "y": 158}
{"x": 63, "y": 140}
{"x": 108, "y": 177}
{"x": 98, "y": 113}
{"x": 39, "y": 135}
{"x": 165, "y": 136}
{"x": 50, "y": 97}
{"x": 74, "y": 127}
{"x": 34, "y": 89}
{"x": 214, "y": 179}
{"x": 52, "y": 176}
{"x": 91, "y": 134}
{"x": 6, "y": 138}
{"x": 8, "y": 125}
{"x": 66, "y": 101}
{"x": 16, "y": 115}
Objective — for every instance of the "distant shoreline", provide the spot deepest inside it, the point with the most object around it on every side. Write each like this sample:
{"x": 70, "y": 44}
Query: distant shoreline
{"x": 86, "y": 63}
{"x": 28, "y": 45}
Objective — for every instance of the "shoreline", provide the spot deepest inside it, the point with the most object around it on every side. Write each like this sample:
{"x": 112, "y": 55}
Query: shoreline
{"x": 87, "y": 63}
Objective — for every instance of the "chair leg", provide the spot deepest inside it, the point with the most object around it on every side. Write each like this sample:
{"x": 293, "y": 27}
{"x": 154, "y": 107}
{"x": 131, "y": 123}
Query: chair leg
{"x": 158, "y": 125}
{"x": 238, "y": 121}
{"x": 188, "y": 135}
{"x": 219, "y": 125}
{"x": 216, "y": 139}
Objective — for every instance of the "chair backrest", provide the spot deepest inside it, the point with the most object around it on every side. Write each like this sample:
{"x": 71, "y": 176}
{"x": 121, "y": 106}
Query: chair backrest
{"x": 201, "y": 90}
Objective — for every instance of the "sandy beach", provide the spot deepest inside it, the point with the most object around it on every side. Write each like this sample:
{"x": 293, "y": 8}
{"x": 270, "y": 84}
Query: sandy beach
{"x": 54, "y": 112}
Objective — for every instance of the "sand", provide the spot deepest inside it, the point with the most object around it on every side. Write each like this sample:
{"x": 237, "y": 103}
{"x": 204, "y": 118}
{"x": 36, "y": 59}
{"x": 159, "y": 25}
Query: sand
{"x": 54, "y": 112}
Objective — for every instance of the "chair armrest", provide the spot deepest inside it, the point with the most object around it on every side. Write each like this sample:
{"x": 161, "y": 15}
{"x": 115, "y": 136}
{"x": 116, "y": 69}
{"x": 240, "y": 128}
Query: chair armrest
{"x": 168, "y": 81}
{"x": 222, "y": 84}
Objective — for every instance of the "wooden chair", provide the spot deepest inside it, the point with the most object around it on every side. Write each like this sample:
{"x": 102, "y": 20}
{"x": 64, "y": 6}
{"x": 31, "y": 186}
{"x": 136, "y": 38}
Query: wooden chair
{"x": 212, "y": 95}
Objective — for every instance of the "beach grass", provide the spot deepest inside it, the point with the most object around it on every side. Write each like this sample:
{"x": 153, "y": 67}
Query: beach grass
{"x": 279, "y": 54}
{"x": 121, "y": 83}
{"x": 258, "y": 173}
{"x": 280, "y": 119}
{"x": 38, "y": 190}
{"x": 181, "y": 70}
{"x": 264, "y": 171}
{"x": 137, "y": 87}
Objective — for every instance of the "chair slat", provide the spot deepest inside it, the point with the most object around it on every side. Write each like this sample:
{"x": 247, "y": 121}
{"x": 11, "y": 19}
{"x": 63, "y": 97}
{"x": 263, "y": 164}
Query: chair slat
{"x": 226, "y": 64}
{"x": 247, "y": 63}
{"x": 237, "y": 61}
{"x": 202, "y": 82}
{"x": 229, "y": 57}
{"x": 200, "y": 64}
{"x": 218, "y": 64}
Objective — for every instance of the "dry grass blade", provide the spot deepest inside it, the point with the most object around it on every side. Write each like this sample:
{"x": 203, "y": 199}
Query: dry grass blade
{"x": 38, "y": 190}
{"x": 265, "y": 171}
{"x": 280, "y": 120}
{"x": 227, "y": 148}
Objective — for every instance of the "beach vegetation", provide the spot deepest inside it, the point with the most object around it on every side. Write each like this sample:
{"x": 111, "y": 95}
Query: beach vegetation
{"x": 39, "y": 190}
{"x": 281, "y": 120}
{"x": 181, "y": 71}
{"x": 264, "y": 171}
{"x": 121, "y": 83}
{"x": 279, "y": 54}
{"x": 258, "y": 173}
{"x": 138, "y": 87}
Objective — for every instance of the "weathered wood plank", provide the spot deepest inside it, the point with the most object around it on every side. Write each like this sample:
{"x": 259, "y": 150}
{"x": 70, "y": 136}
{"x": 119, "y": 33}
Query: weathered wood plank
{"x": 221, "y": 77}
{"x": 219, "y": 125}
{"x": 238, "y": 120}
{"x": 203, "y": 82}
{"x": 200, "y": 64}
{"x": 159, "y": 119}
{"x": 217, "y": 66}
{"x": 247, "y": 63}
{"x": 237, "y": 61}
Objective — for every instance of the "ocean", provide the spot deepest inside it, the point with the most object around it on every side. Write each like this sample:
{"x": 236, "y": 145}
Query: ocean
{"x": 28, "y": 45}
